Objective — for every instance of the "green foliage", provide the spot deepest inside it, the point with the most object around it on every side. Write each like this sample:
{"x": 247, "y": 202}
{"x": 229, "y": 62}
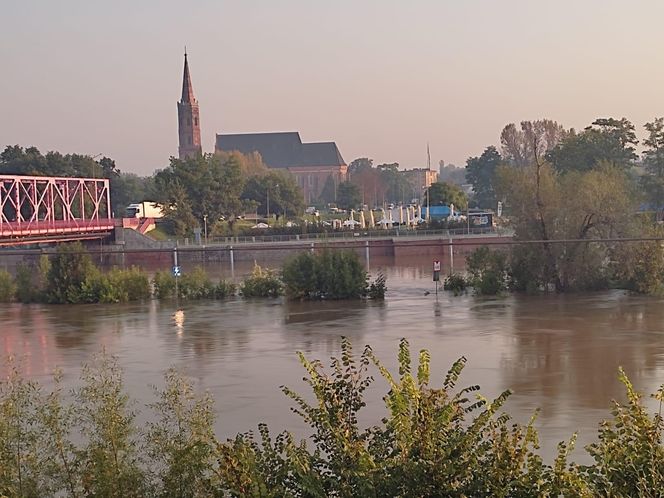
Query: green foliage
{"x": 446, "y": 193}
{"x": 578, "y": 206}
{"x": 455, "y": 283}
{"x": 70, "y": 268}
{"x": 285, "y": 195}
{"x": 605, "y": 141}
{"x": 262, "y": 282}
{"x": 164, "y": 285}
{"x": 224, "y": 289}
{"x": 110, "y": 460}
{"x": 348, "y": 195}
{"x": 639, "y": 266}
{"x": 7, "y": 287}
{"x": 481, "y": 173}
{"x": 653, "y": 161}
{"x": 194, "y": 284}
{"x": 205, "y": 185}
{"x": 487, "y": 271}
{"x": 326, "y": 275}
{"x": 116, "y": 286}
{"x": 378, "y": 287}
{"x": 181, "y": 441}
{"x": 31, "y": 282}
{"x": 629, "y": 456}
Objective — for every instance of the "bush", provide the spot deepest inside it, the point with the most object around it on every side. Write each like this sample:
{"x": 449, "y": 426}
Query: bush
{"x": 7, "y": 287}
{"x": 261, "y": 283}
{"x": 31, "y": 282}
{"x": 192, "y": 285}
{"x": 455, "y": 283}
{"x": 326, "y": 275}
{"x": 70, "y": 268}
{"x": 488, "y": 271}
{"x": 224, "y": 289}
{"x": 378, "y": 287}
{"x": 195, "y": 285}
{"x": 116, "y": 286}
{"x": 164, "y": 284}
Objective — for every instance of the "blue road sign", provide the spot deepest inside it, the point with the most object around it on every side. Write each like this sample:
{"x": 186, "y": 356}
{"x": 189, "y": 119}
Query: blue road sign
{"x": 176, "y": 271}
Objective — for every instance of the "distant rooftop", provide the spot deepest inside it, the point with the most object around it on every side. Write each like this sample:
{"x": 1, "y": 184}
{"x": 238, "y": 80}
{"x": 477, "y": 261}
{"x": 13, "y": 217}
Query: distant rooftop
{"x": 282, "y": 149}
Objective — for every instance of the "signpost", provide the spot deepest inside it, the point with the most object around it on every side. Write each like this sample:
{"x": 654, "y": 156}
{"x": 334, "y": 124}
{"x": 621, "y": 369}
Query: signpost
{"x": 436, "y": 273}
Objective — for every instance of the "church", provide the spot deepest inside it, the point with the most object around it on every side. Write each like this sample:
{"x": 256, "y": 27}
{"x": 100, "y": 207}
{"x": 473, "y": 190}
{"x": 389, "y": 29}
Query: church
{"x": 310, "y": 163}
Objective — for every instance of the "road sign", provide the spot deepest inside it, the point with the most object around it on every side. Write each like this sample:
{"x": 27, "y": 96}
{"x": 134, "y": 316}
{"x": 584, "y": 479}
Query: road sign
{"x": 176, "y": 271}
{"x": 436, "y": 270}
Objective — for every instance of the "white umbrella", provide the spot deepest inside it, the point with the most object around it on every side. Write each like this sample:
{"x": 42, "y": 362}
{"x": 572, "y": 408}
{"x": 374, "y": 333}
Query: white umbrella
{"x": 400, "y": 215}
{"x": 363, "y": 225}
{"x": 419, "y": 211}
{"x": 372, "y": 222}
{"x": 451, "y": 210}
{"x": 408, "y": 216}
{"x": 390, "y": 220}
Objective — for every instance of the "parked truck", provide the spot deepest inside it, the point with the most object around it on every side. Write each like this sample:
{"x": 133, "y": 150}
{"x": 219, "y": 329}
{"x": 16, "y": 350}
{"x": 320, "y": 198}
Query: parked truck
{"x": 145, "y": 209}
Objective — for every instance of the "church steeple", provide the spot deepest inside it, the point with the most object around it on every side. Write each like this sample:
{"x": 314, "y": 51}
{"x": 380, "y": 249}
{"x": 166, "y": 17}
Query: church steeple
{"x": 189, "y": 127}
{"x": 187, "y": 87}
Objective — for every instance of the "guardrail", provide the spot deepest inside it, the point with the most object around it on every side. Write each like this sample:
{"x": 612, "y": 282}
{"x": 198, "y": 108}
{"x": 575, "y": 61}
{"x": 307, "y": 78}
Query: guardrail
{"x": 348, "y": 235}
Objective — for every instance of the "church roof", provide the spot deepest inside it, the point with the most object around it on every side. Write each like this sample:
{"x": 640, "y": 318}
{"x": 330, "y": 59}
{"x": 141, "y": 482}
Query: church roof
{"x": 282, "y": 149}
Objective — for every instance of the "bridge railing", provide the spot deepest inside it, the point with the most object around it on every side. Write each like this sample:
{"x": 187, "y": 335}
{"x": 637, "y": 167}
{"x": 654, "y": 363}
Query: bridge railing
{"x": 52, "y": 227}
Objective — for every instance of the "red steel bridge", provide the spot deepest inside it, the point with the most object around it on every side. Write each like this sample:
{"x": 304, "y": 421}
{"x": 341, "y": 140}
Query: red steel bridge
{"x": 53, "y": 209}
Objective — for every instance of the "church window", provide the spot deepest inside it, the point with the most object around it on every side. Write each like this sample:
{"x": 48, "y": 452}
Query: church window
{"x": 311, "y": 180}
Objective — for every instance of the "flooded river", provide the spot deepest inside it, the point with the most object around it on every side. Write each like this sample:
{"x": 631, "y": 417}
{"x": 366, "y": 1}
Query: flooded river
{"x": 557, "y": 353}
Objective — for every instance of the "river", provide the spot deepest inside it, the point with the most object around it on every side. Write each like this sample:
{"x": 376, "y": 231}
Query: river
{"x": 557, "y": 353}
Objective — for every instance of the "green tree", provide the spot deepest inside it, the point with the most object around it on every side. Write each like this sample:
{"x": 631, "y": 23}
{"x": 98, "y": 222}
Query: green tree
{"x": 359, "y": 164}
{"x": 198, "y": 187}
{"x": 329, "y": 193}
{"x": 653, "y": 163}
{"x": 70, "y": 268}
{"x": 446, "y": 193}
{"x": 481, "y": 173}
{"x": 524, "y": 146}
{"x": 606, "y": 140}
{"x": 396, "y": 184}
{"x": 285, "y": 194}
{"x": 580, "y": 206}
{"x": 348, "y": 195}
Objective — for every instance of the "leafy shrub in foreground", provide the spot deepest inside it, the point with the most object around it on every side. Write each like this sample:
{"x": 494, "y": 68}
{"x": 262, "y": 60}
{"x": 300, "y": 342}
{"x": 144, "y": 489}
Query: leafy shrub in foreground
{"x": 261, "y": 283}
{"x": 164, "y": 284}
{"x": 433, "y": 441}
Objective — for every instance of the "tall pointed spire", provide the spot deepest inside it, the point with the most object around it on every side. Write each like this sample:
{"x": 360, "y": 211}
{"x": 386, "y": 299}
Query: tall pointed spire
{"x": 189, "y": 126}
{"x": 187, "y": 87}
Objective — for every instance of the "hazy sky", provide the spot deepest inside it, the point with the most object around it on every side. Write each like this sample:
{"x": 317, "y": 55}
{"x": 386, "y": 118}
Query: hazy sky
{"x": 380, "y": 77}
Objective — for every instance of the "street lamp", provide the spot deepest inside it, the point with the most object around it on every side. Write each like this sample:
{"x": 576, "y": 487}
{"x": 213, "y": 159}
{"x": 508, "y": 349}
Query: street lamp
{"x": 205, "y": 227}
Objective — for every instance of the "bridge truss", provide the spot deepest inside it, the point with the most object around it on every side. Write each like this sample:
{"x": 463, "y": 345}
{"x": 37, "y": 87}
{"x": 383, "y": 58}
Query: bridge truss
{"x": 38, "y": 206}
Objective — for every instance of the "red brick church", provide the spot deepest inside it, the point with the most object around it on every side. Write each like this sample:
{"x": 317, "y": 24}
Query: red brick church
{"x": 310, "y": 163}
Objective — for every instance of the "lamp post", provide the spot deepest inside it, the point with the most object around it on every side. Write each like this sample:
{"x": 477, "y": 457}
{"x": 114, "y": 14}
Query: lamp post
{"x": 267, "y": 211}
{"x": 205, "y": 227}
